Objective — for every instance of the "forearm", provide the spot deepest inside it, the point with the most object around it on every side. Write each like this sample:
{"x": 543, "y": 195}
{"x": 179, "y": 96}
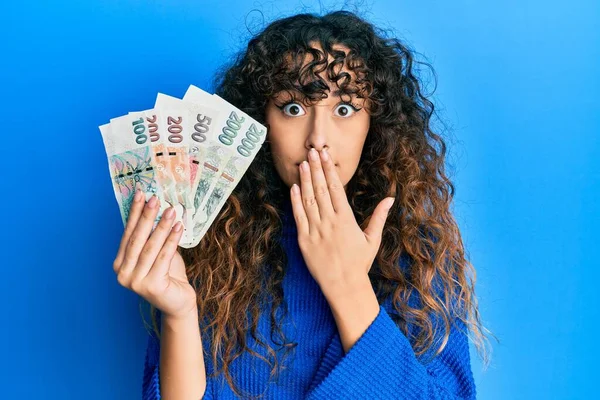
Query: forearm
{"x": 353, "y": 309}
{"x": 182, "y": 370}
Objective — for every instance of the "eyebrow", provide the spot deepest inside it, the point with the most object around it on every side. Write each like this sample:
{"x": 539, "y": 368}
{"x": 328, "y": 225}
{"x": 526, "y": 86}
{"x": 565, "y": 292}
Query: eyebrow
{"x": 336, "y": 93}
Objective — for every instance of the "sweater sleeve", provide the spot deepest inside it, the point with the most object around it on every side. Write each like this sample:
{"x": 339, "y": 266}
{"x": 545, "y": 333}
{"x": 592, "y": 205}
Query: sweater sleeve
{"x": 150, "y": 380}
{"x": 383, "y": 365}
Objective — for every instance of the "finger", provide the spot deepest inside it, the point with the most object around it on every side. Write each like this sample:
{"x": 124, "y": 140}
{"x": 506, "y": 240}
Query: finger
{"x": 339, "y": 200}
{"x": 320, "y": 188}
{"x": 153, "y": 245}
{"x": 162, "y": 264}
{"x": 298, "y": 209}
{"x": 308, "y": 197}
{"x": 140, "y": 234}
{"x": 375, "y": 228}
{"x": 134, "y": 215}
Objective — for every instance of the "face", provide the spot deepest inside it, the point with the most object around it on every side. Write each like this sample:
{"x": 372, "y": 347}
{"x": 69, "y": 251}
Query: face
{"x": 339, "y": 126}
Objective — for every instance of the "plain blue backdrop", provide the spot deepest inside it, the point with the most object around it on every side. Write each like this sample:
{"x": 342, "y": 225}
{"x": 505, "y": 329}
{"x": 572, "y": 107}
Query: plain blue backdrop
{"x": 517, "y": 90}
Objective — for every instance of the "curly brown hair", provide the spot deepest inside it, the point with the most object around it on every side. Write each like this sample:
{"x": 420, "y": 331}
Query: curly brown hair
{"x": 238, "y": 267}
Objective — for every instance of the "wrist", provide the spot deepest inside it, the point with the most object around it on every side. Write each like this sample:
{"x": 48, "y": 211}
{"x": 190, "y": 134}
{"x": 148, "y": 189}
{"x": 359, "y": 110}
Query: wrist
{"x": 356, "y": 296}
{"x": 357, "y": 303}
{"x": 183, "y": 319}
{"x": 342, "y": 289}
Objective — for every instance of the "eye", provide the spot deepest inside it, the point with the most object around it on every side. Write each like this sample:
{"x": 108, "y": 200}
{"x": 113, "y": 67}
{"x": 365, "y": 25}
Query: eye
{"x": 292, "y": 109}
{"x": 346, "y": 110}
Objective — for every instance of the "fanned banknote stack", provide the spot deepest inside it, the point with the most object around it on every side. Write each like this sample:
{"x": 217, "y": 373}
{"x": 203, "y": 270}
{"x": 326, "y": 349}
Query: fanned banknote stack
{"x": 191, "y": 153}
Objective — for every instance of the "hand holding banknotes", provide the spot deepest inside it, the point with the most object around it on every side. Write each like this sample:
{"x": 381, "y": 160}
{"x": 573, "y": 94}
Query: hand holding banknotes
{"x": 148, "y": 263}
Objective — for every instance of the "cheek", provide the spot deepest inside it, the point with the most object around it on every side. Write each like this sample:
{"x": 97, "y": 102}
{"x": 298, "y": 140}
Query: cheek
{"x": 286, "y": 144}
{"x": 281, "y": 152}
{"x": 350, "y": 157}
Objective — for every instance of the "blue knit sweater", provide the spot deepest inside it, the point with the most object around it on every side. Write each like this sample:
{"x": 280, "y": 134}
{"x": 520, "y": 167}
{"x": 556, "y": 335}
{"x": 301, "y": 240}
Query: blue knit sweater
{"x": 380, "y": 365}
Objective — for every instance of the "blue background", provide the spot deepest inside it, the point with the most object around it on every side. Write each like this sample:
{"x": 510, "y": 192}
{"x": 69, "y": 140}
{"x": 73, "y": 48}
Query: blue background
{"x": 517, "y": 87}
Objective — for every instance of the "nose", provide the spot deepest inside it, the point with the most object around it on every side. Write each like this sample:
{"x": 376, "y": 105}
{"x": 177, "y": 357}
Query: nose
{"x": 319, "y": 130}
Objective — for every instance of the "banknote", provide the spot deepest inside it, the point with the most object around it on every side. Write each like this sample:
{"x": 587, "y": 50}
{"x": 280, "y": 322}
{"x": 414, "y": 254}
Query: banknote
{"x": 130, "y": 161}
{"x": 216, "y": 155}
{"x": 176, "y": 132}
{"x": 161, "y": 163}
{"x": 160, "y": 155}
{"x": 243, "y": 137}
{"x": 201, "y": 129}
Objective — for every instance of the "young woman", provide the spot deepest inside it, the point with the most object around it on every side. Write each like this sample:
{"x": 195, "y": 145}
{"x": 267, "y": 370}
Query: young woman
{"x": 335, "y": 270}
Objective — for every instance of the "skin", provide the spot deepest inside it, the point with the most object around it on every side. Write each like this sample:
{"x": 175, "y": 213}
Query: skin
{"x": 329, "y": 124}
{"x": 337, "y": 252}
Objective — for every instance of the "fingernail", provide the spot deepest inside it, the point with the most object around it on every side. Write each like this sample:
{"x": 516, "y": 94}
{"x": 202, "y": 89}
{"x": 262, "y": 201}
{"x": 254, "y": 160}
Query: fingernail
{"x": 295, "y": 189}
{"x": 313, "y": 155}
{"x": 138, "y": 196}
{"x": 304, "y": 166}
{"x": 152, "y": 202}
{"x": 177, "y": 227}
{"x": 325, "y": 155}
{"x": 390, "y": 202}
{"x": 169, "y": 213}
